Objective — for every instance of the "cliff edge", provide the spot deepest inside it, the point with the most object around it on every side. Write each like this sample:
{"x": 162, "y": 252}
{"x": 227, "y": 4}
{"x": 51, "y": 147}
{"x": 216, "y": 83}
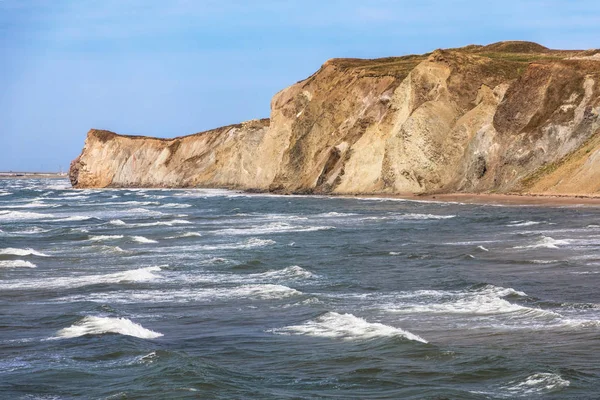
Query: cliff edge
{"x": 507, "y": 117}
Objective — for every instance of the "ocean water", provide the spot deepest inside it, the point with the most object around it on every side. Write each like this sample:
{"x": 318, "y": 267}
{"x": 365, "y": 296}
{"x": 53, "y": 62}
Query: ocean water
{"x": 132, "y": 294}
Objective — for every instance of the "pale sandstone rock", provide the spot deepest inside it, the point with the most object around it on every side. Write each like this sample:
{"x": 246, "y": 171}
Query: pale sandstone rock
{"x": 508, "y": 117}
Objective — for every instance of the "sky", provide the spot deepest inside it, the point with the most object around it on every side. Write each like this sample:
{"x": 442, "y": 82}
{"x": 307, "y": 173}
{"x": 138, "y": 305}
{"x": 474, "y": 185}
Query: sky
{"x": 171, "y": 68}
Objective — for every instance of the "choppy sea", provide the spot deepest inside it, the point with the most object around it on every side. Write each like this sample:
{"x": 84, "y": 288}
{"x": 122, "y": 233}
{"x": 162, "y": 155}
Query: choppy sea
{"x": 185, "y": 294}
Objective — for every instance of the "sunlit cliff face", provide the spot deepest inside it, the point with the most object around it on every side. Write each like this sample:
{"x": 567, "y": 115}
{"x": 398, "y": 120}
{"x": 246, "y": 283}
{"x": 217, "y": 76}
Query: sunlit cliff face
{"x": 508, "y": 117}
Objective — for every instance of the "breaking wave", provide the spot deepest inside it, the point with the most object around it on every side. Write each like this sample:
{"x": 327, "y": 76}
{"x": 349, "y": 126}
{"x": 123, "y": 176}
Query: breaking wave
{"x": 142, "y": 239}
{"x": 102, "y": 325}
{"x": 347, "y": 327}
{"x": 545, "y": 242}
{"x": 21, "y": 252}
{"x": 16, "y": 264}
{"x": 131, "y": 276}
{"x": 536, "y": 384}
{"x": 271, "y": 228}
{"x": 22, "y": 216}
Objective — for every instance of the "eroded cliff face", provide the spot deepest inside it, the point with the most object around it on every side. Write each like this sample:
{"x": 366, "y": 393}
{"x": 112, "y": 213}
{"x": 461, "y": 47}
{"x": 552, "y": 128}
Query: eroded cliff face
{"x": 508, "y": 117}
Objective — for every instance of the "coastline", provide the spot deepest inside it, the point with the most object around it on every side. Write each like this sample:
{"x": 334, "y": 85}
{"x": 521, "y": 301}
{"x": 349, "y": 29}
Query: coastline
{"x": 514, "y": 199}
{"x": 32, "y": 175}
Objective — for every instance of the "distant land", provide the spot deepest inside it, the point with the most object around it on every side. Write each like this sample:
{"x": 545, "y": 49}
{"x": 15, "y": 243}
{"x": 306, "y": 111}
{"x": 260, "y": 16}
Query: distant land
{"x": 26, "y": 175}
{"x": 506, "y": 118}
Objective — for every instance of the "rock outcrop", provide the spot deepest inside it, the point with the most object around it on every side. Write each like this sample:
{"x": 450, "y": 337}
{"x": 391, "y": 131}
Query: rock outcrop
{"x": 507, "y": 117}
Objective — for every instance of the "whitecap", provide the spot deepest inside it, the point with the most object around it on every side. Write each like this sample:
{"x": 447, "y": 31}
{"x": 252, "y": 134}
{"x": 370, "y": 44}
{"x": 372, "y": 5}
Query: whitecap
{"x": 175, "y": 205}
{"x": 482, "y": 248}
{"x": 142, "y": 239}
{"x": 247, "y": 244}
{"x": 347, "y": 327}
{"x": 32, "y": 231}
{"x": 258, "y": 292}
{"x": 74, "y": 218}
{"x": 335, "y": 214}
{"x": 101, "y": 238}
{"x": 16, "y": 264}
{"x": 21, "y": 252}
{"x": 185, "y": 235}
{"x": 131, "y": 276}
{"x": 117, "y": 222}
{"x": 293, "y": 272}
{"x": 22, "y": 216}
{"x": 545, "y": 242}
{"x": 271, "y": 228}
{"x": 523, "y": 223}
{"x": 102, "y": 325}
{"x": 539, "y": 383}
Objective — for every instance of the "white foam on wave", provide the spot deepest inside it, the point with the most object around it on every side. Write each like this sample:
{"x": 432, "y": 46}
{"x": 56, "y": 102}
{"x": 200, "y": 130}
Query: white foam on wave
{"x": 131, "y": 276}
{"x": 102, "y": 325}
{"x": 74, "y": 218}
{"x": 32, "y": 231}
{"x": 142, "y": 239}
{"x": 22, "y": 216}
{"x": 335, "y": 214}
{"x": 101, "y": 238}
{"x": 247, "y": 244}
{"x": 257, "y": 292}
{"x": 523, "y": 223}
{"x": 185, "y": 235}
{"x": 277, "y": 227}
{"x": 539, "y": 383}
{"x": 346, "y": 327}
{"x": 33, "y": 204}
{"x": 21, "y": 252}
{"x": 489, "y": 300}
{"x": 16, "y": 264}
{"x": 482, "y": 248}
{"x": 175, "y": 205}
{"x": 545, "y": 242}
{"x": 118, "y": 222}
{"x": 410, "y": 216}
{"x": 293, "y": 272}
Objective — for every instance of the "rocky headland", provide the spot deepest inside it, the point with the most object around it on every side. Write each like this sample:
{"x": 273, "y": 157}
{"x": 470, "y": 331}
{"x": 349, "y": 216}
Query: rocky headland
{"x": 510, "y": 117}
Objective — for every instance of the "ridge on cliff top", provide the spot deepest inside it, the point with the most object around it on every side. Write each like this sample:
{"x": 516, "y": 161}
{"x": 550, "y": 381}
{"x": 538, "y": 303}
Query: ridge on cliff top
{"x": 520, "y": 52}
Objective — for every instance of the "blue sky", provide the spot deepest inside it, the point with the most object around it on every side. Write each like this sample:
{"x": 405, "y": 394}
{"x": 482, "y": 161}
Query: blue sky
{"x": 169, "y": 68}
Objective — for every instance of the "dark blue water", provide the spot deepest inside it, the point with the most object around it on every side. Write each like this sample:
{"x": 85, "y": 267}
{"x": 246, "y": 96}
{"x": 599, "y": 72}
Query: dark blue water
{"x": 131, "y": 294}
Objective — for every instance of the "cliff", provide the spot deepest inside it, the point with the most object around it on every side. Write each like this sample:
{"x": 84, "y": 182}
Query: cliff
{"x": 507, "y": 117}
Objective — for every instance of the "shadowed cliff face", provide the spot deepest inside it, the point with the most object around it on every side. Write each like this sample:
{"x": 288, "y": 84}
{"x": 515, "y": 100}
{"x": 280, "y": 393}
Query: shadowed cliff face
{"x": 508, "y": 117}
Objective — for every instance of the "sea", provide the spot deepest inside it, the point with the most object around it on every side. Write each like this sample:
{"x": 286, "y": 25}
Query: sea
{"x": 216, "y": 294}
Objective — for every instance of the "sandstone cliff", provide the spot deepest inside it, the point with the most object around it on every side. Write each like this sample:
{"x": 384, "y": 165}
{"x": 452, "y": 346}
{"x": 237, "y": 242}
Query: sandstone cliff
{"x": 507, "y": 117}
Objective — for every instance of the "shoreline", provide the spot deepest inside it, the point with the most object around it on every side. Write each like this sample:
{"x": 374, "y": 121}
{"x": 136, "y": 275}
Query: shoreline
{"x": 513, "y": 199}
{"x": 32, "y": 175}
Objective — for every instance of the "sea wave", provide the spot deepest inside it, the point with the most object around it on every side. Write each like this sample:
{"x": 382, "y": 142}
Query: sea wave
{"x": 271, "y": 228}
{"x": 101, "y": 238}
{"x": 143, "y": 239}
{"x": 185, "y": 235}
{"x": 102, "y": 325}
{"x": 22, "y": 216}
{"x": 410, "y": 216}
{"x": 247, "y": 244}
{"x": 536, "y": 384}
{"x": 118, "y": 222}
{"x": 545, "y": 242}
{"x": 346, "y": 327}
{"x": 523, "y": 223}
{"x": 16, "y": 264}
{"x": 293, "y": 272}
{"x": 131, "y": 276}
{"x": 255, "y": 292}
{"x": 21, "y": 252}
{"x": 175, "y": 205}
